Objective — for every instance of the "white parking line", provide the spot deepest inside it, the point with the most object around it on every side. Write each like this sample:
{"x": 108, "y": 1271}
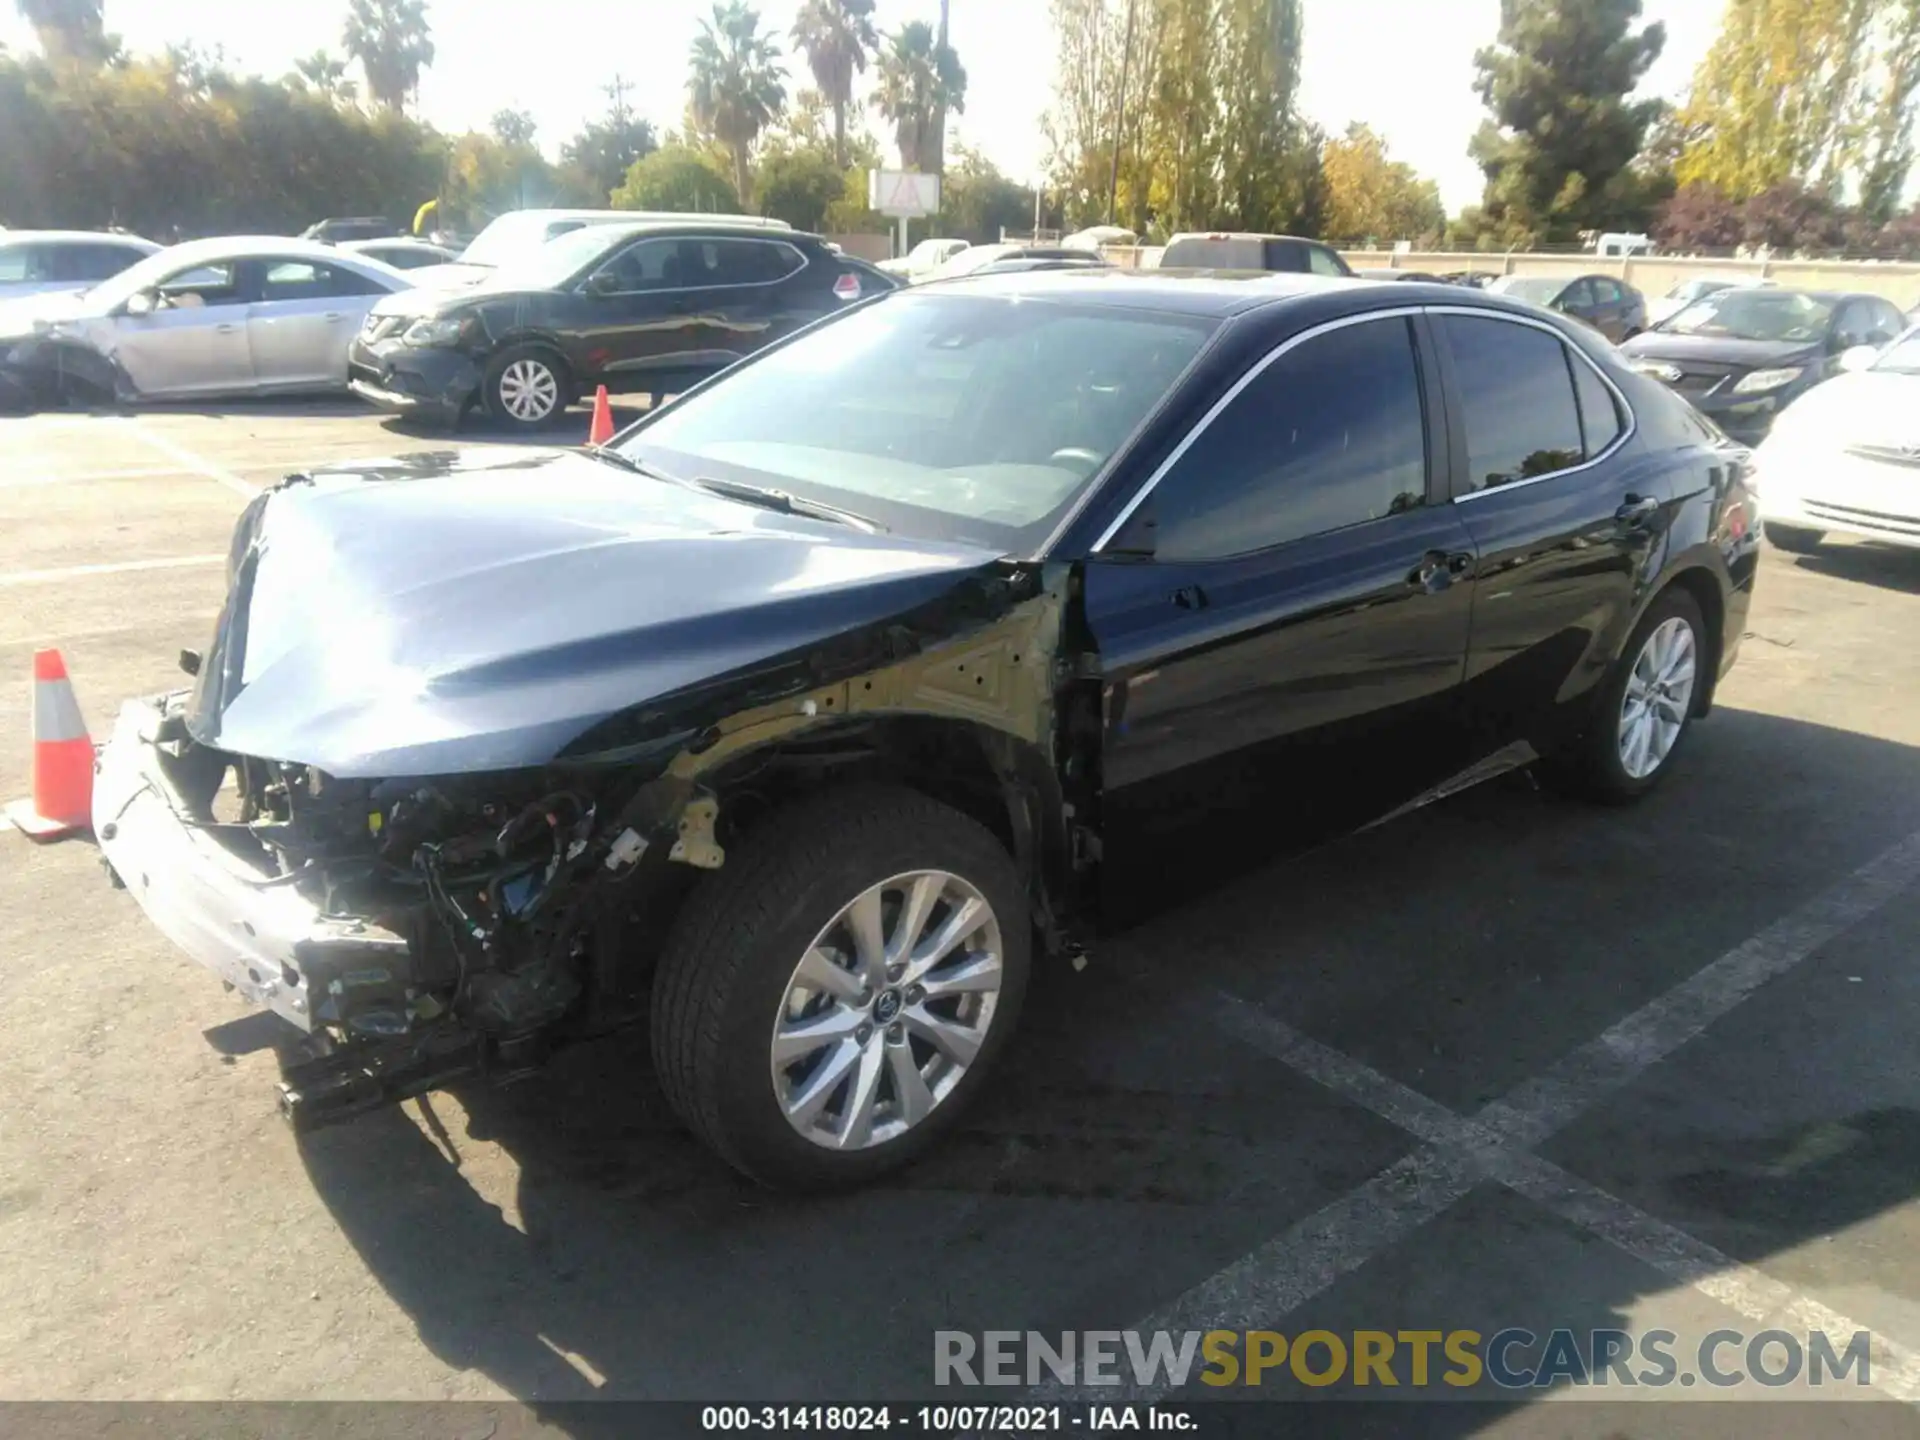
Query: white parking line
{"x": 1260, "y": 1288}
{"x": 197, "y": 464}
{"x": 120, "y": 567}
{"x": 51, "y": 477}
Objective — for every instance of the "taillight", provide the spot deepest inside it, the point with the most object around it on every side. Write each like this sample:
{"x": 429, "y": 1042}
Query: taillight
{"x": 847, "y": 287}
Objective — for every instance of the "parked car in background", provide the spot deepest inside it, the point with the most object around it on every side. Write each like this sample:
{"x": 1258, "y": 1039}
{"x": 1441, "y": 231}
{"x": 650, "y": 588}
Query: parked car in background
{"x": 42, "y": 262}
{"x": 1472, "y": 279}
{"x": 1744, "y": 355}
{"x": 797, "y": 720}
{"x": 1388, "y": 273}
{"x": 1284, "y": 253}
{"x": 356, "y": 227}
{"x": 650, "y": 307}
{"x": 927, "y": 255}
{"x": 520, "y": 233}
{"x": 976, "y": 258}
{"x": 404, "y": 252}
{"x": 1615, "y": 309}
{"x": 1685, "y": 292}
{"x": 231, "y": 316}
{"x": 1846, "y": 458}
{"x": 1016, "y": 264}
{"x": 1094, "y": 236}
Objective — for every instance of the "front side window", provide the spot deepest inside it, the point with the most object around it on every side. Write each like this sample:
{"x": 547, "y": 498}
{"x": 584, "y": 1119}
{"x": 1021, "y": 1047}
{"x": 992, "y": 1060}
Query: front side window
{"x": 1323, "y": 261}
{"x": 1516, "y": 399}
{"x": 203, "y": 285}
{"x": 1331, "y": 434}
{"x": 941, "y": 414}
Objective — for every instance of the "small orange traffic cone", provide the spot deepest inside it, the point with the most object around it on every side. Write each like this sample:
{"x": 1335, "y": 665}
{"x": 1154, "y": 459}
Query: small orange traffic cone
{"x": 602, "y": 430}
{"x": 62, "y": 800}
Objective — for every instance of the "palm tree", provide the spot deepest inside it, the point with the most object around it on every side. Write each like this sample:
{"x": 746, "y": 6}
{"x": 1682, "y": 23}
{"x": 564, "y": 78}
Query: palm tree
{"x": 738, "y": 84}
{"x": 919, "y": 79}
{"x": 391, "y": 40}
{"x": 836, "y": 36}
{"x": 326, "y": 75}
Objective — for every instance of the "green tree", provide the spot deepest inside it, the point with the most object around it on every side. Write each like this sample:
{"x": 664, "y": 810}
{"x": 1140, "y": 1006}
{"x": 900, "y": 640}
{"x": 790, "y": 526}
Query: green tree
{"x": 798, "y": 186}
{"x": 1777, "y": 97}
{"x": 977, "y": 202}
{"x": 1564, "y": 127}
{"x": 1889, "y": 130}
{"x": 1372, "y": 197}
{"x": 919, "y": 80}
{"x": 69, "y": 30}
{"x": 607, "y": 148}
{"x": 676, "y": 177}
{"x": 1266, "y": 167}
{"x": 513, "y": 128}
{"x": 326, "y": 76}
{"x": 738, "y": 83}
{"x": 393, "y": 43}
{"x": 836, "y": 36}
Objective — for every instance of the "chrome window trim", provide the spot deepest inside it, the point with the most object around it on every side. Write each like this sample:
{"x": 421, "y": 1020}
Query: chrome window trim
{"x": 1292, "y": 342}
{"x": 1627, "y": 431}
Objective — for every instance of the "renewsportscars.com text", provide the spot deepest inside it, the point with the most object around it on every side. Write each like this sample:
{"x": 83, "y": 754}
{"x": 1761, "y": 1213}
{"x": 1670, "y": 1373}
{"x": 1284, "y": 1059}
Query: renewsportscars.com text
{"x": 1511, "y": 1359}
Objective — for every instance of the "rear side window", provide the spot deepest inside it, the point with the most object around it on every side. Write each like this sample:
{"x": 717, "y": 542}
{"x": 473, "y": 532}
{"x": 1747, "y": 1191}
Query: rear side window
{"x": 101, "y": 262}
{"x": 744, "y": 262}
{"x": 1516, "y": 398}
{"x": 1331, "y": 434}
{"x": 1600, "y": 422}
{"x": 15, "y": 264}
{"x": 1284, "y": 255}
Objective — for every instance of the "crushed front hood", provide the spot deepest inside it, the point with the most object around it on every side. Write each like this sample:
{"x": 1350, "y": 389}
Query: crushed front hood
{"x": 455, "y": 612}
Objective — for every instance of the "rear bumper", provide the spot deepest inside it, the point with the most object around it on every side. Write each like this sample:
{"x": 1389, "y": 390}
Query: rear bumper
{"x": 260, "y": 935}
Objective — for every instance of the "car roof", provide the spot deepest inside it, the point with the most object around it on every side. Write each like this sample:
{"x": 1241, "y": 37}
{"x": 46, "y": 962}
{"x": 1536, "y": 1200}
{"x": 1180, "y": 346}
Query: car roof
{"x": 84, "y": 237}
{"x": 693, "y": 224}
{"x": 1220, "y": 293}
{"x": 1242, "y": 235}
{"x": 388, "y": 242}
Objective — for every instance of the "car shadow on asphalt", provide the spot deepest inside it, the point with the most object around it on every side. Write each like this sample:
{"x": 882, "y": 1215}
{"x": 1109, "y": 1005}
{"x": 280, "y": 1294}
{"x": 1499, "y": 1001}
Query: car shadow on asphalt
{"x": 1458, "y": 951}
{"x": 1888, "y": 566}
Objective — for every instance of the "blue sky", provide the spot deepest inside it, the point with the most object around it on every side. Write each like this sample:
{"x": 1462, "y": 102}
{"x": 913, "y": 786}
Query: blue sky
{"x": 1403, "y": 66}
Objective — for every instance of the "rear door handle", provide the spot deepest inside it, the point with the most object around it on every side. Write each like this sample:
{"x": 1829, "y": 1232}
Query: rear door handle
{"x": 1638, "y": 512}
{"x": 225, "y": 328}
{"x": 1438, "y": 569}
{"x": 1189, "y": 597}
{"x": 334, "y": 317}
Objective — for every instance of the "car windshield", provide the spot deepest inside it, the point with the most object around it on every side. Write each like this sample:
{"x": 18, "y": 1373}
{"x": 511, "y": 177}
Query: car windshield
{"x": 556, "y": 260}
{"x": 974, "y": 418}
{"x": 509, "y": 238}
{"x": 1754, "y": 315}
{"x": 1539, "y": 289}
{"x": 1902, "y": 357}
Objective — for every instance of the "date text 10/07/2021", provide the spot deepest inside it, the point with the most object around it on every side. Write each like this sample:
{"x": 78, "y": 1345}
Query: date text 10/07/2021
{"x": 948, "y": 1419}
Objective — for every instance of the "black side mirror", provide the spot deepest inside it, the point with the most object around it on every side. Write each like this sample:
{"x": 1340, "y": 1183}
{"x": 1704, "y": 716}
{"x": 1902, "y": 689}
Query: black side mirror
{"x": 603, "y": 282}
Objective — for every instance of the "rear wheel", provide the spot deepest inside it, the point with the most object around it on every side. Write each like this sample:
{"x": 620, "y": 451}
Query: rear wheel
{"x": 527, "y": 386}
{"x": 831, "y": 999}
{"x": 1795, "y": 540}
{"x": 1646, "y": 707}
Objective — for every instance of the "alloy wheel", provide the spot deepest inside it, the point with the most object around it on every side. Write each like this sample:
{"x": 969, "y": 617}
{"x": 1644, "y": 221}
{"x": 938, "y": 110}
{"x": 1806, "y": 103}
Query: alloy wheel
{"x": 887, "y": 1009}
{"x": 529, "y": 391}
{"x": 1659, "y": 691}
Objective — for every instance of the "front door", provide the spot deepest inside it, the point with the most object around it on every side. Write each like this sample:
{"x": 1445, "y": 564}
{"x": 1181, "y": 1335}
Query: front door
{"x": 1570, "y": 525}
{"x": 1282, "y": 625}
{"x": 194, "y": 342}
{"x": 640, "y": 322}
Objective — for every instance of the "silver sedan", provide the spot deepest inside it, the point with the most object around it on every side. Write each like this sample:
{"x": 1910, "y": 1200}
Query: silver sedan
{"x": 233, "y": 316}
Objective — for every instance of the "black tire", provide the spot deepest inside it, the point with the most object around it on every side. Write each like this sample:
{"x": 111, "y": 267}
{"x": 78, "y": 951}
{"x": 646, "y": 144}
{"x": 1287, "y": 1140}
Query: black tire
{"x": 732, "y": 951}
{"x": 1793, "y": 539}
{"x": 1591, "y": 767}
{"x": 518, "y": 362}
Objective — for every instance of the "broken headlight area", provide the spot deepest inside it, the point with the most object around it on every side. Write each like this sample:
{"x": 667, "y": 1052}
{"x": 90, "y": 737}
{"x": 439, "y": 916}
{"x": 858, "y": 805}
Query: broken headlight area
{"x": 415, "y": 929}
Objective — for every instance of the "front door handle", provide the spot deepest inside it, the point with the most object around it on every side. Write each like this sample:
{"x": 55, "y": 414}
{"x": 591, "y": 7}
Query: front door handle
{"x": 334, "y": 317}
{"x": 1189, "y": 597}
{"x": 223, "y": 329}
{"x": 1637, "y": 512}
{"x": 1438, "y": 569}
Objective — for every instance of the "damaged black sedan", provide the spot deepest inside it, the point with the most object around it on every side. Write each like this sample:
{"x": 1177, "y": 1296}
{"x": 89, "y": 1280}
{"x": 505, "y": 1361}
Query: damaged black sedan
{"x": 799, "y": 721}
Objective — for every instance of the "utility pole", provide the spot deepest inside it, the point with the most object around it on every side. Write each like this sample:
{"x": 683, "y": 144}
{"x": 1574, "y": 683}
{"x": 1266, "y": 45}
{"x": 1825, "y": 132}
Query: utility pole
{"x": 1119, "y": 111}
{"x": 616, "y": 94}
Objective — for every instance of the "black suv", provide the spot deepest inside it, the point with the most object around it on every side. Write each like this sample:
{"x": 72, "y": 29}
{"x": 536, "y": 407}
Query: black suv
{"x": 646, "y": 307}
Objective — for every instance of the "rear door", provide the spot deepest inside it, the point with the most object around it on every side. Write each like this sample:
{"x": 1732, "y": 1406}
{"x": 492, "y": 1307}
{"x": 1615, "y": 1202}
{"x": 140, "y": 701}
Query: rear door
{"x": 638, "y": 316}
{"x": 195, "y": 341}
{"x": 1579, "y": 301}
{"x": 1568, "y": 518}
{"x": 753, "y": 293}
{"x": 304, "y": 317}
{"x": 1282, "y": 622}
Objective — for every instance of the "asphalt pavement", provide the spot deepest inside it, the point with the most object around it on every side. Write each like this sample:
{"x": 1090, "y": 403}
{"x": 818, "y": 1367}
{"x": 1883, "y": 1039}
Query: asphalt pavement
{"x": 1508, "y": 1062}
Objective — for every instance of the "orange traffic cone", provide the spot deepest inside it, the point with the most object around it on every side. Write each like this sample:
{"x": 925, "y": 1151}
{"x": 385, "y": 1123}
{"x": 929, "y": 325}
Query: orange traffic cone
{"x": 62, "y": 801}
{"x": 602, "y": 430}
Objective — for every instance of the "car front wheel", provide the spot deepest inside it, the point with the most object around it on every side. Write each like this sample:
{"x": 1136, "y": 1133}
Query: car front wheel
{"x": 527, "y": 386}
{"x": 832, "y": 998}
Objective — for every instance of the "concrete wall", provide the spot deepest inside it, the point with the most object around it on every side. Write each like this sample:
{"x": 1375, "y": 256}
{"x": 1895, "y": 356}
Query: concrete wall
{"x": 1655, "y": 275}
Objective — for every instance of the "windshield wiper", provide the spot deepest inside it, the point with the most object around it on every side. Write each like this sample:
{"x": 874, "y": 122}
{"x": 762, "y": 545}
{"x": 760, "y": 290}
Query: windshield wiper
{"x": 628, "y": 463}
{"x": 786, "y": 503}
